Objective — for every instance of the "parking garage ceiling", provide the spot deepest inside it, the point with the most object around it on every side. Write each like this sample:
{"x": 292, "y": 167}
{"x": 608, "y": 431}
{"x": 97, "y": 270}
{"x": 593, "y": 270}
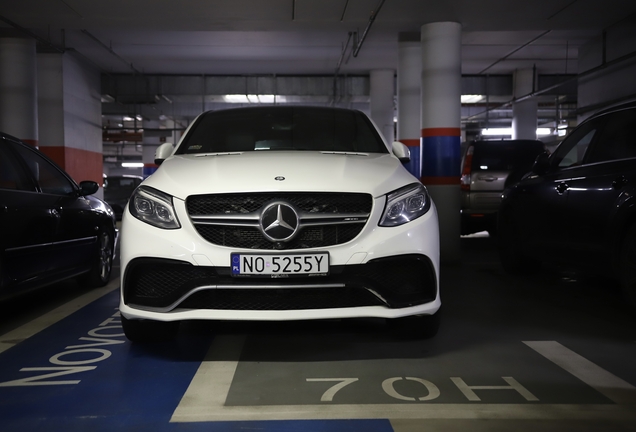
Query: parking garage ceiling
{"x": 307, "y": 37}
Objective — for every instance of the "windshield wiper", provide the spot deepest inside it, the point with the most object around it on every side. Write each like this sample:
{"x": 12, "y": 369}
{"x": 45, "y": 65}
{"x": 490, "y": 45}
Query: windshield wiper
{"x": 217, "y": 154}
{"x": 345, "y": 153}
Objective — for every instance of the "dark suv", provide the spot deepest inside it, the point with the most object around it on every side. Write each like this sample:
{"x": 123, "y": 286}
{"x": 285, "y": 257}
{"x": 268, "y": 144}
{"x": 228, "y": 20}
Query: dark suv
{"x": 487, "y": 168}
{"x": 578, "y": 206}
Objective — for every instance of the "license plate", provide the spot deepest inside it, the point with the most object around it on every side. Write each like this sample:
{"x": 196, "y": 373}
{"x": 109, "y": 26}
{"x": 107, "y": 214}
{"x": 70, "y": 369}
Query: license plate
{"x": 314, "y": 264}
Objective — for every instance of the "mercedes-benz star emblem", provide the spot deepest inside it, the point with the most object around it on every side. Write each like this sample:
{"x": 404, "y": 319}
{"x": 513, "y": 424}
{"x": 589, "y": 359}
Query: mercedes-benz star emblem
{"x": 279, "y": 222}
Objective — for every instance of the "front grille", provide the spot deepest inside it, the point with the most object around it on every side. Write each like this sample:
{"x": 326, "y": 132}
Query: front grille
{"x": 251, "y": 238}
{"x": 394, "y": 282}
{"x": 230, "y": 227}
{"x": 310, "y": 202}
{"x": 281, "y": 299}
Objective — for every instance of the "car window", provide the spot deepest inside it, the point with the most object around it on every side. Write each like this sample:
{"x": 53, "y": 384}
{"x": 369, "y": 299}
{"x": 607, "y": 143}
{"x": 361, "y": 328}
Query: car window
{"x": 48, "y": 176}
{"x": 505, "y": 155}
{"x": 282, "y": 128}
{"x": 120, "y": 187}
{"x": 573, "y": 149}
{"x": 11, "y": 174}
{"x": 616, "y": 140}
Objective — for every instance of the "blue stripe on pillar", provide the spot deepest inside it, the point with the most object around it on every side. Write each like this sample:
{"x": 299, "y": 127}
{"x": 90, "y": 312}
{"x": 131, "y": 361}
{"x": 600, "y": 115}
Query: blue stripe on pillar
{"x": 413, "y": 166}
{"x": 441, "y": 156}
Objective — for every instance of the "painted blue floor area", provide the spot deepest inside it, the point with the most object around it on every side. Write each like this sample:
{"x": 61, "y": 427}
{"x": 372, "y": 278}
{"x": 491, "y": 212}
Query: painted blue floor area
{"x": 82, "y": 374}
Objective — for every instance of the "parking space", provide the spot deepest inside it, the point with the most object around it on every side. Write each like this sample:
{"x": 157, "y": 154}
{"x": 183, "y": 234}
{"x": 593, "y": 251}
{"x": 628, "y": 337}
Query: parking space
{"x": 552, "y": 351}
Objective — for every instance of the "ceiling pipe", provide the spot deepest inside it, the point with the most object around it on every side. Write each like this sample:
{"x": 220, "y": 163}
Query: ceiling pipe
{"x": 342, "y": 54}
{"x": 344, "y": 10}
{"x": 110, "y": 50}
{"x": 552, "y": 87}
{"x": 514, "y": 51}
{"x": 374, "y": 14}
{"x": 33, "y": 35}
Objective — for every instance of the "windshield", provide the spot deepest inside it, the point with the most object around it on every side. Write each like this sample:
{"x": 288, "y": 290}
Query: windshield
{"x": 282, "y": 128}
{"x": 506, "y": 155}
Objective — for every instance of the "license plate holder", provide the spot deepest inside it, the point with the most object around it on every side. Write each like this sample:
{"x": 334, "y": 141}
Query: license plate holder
{"x": 279, "y": 265}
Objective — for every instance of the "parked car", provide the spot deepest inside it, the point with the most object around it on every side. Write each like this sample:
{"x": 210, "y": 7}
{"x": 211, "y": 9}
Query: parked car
{"x": 118, "y": 189}
{"x": 279, "y": 213}
{"x": 487, "y": 168}
{"x": 577, "y": 206}
{"x": 51, "y": 229}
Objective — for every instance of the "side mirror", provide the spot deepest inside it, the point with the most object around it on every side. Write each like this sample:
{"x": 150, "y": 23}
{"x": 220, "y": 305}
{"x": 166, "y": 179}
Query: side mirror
{"x": 88, "y": 187}
{"x": 401, "y": 151}
{"x": 541, "y": 164}
{"x": 163, "y": 152}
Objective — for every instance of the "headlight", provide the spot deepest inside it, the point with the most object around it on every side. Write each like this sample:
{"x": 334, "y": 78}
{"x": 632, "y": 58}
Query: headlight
{"x": 405, "y": 204}
{"x": 153, "y": 207}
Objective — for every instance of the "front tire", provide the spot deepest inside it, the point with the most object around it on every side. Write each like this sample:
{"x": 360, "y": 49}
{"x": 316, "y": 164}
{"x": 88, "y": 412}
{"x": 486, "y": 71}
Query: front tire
{"x": 143, "y": 331}
{"x": 102, "y": 262}
{"x": 510, "y": 248}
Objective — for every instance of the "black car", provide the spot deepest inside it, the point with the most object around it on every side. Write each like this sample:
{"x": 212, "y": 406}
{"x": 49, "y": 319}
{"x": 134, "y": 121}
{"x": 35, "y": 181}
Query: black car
{"x": 118, "y": 189}
{"x": 578, "y": 206}
{"x": 51, "y": 229}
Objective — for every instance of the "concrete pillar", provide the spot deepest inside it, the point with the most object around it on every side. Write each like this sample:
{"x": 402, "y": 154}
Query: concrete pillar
{"x": 524, "y": 113}
{"x": 381, "y": 106}
{"x": 18, "y": 89}
{"x": 409, "y": 82}
{"x": 69, "y": 112}
{"x": 150, "y": 144}
{"x": 441, "y": 128}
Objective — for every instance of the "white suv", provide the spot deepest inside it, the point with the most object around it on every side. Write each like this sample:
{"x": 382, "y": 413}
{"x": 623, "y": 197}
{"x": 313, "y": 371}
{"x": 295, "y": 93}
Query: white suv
{"x": 279, "y": 213}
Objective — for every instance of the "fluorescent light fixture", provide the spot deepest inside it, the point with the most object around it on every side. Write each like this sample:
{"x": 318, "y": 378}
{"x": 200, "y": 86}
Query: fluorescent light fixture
{"x": 496, "y": 131}
{"x": 127, "y": 118}
{"x": 508, "y": 132}
{"x": 132, "y": 164}
{"x": 235, "y": 98}
{"x": 471, "y": 98}
{"x": 267, "y": 98}
{"x": 249, "y": 98}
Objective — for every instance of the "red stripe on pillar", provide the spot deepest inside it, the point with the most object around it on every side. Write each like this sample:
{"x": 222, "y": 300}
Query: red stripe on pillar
{"x": 435, "y": 132}
{"x": 411, "y": 142}
{"x": 33, "y": 143}
{"x": 79, "y": 164}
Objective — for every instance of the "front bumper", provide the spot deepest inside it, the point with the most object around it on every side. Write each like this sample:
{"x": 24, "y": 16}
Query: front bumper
{"x": 170, "y": 275}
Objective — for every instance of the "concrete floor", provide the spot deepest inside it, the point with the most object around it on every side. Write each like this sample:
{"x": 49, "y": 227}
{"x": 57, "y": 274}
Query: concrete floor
{"x": 551, "y": 352}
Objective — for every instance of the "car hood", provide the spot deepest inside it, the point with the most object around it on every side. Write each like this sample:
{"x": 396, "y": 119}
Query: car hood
{"x": 184, "y": 175}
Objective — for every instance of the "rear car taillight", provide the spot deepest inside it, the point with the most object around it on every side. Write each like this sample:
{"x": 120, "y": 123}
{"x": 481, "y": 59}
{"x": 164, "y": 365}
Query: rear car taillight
{"x": 468, "y": 161}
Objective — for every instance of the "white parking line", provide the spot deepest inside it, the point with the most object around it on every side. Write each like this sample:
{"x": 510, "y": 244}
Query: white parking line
{"x": 205, "y": 398}
{"x": 14, "y": 337}
{"x": 610, "y": 385}
{"x": 211, "y": 384}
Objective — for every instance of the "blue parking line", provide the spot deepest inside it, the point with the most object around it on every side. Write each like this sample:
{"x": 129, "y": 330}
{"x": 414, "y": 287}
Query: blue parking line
{"x": 82, "y": 374}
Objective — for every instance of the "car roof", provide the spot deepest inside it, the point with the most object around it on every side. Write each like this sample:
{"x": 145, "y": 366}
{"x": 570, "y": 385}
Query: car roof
{"x": 10, "y": 137}
{"x": 619, "y": 107}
